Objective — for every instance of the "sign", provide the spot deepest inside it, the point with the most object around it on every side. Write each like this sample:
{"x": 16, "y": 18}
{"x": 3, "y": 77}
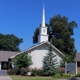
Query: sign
{"x": 70, "y": 68}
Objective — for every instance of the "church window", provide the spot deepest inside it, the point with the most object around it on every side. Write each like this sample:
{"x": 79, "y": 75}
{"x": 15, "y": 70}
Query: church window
{"x": 44, "y": 30}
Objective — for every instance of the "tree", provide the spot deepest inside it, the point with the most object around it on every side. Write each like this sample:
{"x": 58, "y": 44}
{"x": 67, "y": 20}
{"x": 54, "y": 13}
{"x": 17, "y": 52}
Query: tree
{"x": 9, "y": 42}
{"x": 67, "y": 59}
{"x": 50, "y": 63}
{"x": 61, "y": 32}
{"x": 22, "y": 60}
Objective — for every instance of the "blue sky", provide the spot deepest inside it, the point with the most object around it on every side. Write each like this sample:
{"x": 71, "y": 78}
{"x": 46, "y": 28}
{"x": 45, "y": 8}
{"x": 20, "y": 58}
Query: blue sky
{"x": 22, "y": 17}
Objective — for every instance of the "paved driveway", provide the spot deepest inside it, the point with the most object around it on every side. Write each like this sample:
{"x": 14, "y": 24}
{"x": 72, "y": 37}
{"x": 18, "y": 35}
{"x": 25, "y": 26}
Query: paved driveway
{"x": 4, "y": 75}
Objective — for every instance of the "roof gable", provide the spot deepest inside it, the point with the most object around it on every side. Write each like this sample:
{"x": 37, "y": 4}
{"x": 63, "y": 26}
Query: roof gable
{"x": 33, "y": 47}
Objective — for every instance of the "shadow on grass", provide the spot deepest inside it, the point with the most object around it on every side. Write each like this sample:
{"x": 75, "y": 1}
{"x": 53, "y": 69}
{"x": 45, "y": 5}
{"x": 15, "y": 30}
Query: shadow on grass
{"x": 73, "y": 78}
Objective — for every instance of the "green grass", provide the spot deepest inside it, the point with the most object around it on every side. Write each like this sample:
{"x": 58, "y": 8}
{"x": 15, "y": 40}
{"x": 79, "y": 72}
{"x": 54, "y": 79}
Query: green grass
{"x": 30, "y": 78}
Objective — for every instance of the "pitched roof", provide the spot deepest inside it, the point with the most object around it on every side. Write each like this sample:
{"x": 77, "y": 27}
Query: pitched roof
{"x": 33, "y": 47}
{"x": 5, "y": 55}
{"x": 77, "y": 58}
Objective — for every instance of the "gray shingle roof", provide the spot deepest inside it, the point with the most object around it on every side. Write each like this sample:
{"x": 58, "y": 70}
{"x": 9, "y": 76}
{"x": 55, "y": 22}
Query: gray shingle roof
{"x": 5, "y": 55}
{"x": 77, "y": 58}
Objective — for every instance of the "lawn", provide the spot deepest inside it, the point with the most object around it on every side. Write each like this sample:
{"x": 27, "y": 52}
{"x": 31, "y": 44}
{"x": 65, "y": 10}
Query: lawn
{"x": 30, "y": 78}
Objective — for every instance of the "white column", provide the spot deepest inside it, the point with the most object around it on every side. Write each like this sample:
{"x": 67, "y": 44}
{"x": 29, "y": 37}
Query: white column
{"x": 0, "y": 65}
{"x": 76, "y": 67}
{"x": 65, "y": 67}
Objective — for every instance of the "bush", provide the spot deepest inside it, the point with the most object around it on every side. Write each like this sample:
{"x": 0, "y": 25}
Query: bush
{"x": 22, "y": 60}
{"x": 57, "y": 76}
{"x": 24, "y": 71}
{"x": 16, "y": 72}
{"x": 13, "y": 72}
{"x": 78, "y": 75}
{"x": 61, "y": 70}
{"x": 40, "y": 72}
{"x": 66, "y": 75}
{"x": 62, "y": 76}
{"x": 36, "y": 72}
{"x": 10, "y": 71}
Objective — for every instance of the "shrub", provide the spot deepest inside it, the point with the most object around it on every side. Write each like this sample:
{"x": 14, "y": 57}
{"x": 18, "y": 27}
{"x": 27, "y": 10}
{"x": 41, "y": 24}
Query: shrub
{"x": 61, "y": 70}
{"x": 36, "y": 72}
{"x": 66, "y": 75}
{"x": 22, "y": 60}
{"x": 62, "y": 76}
{"x": 57, "y": 76}
{"x": 16, "y": 70}
{"x": 24, "y": 71}
{"x": 40, "y": 72}
{"x": 13, "y": 71}
{"x": 10, "y": 71}
{"x": 78, "y": 75}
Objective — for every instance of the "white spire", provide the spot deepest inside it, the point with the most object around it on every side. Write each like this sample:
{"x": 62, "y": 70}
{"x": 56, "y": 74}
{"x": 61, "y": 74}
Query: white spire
{"x": 43, "y": 36}
{"x": 43, "y": 17}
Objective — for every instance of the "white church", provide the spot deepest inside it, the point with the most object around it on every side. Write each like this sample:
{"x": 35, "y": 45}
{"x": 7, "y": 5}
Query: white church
{"x": 37, "y": 52}
{"x": 41, "y": 49}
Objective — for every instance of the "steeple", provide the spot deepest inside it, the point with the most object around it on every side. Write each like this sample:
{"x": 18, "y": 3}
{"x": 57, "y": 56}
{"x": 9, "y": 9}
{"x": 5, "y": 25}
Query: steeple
{"x": 43, "y": 17}
{"x": 43, "y": 29}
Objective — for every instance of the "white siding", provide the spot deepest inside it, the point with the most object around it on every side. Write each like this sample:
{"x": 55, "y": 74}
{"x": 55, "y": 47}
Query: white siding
{"x": 38, "y": 54}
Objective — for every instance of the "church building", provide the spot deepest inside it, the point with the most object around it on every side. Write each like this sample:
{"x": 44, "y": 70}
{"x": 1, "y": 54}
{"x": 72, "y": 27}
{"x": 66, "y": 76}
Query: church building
{"x": 41, "y": 49}
{"x": 36, "y": 52}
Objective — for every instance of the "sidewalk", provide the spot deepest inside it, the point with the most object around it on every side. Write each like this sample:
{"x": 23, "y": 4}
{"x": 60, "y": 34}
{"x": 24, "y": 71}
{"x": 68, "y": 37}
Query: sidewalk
{"x": 4, "y": 75}
{"x": 5, "y": 78}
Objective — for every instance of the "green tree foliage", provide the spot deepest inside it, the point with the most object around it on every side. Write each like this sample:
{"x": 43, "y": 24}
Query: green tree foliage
{"x": 61, "y": 32}
{"x": 9, "y": 42}
{"x": 22, "y": 60}
{"x": 67, "y": 59}
{"x": 50, "y": 63}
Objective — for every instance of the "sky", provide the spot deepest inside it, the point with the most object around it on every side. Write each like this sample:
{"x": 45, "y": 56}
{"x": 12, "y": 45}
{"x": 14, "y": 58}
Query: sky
{"x": 22, "y": 17}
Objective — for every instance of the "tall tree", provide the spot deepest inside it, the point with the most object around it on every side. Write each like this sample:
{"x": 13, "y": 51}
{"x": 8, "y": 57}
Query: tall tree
{"x": 60, "y": 30}
{"x": 9, "y": 42}
{"x": 50, "y": 63}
